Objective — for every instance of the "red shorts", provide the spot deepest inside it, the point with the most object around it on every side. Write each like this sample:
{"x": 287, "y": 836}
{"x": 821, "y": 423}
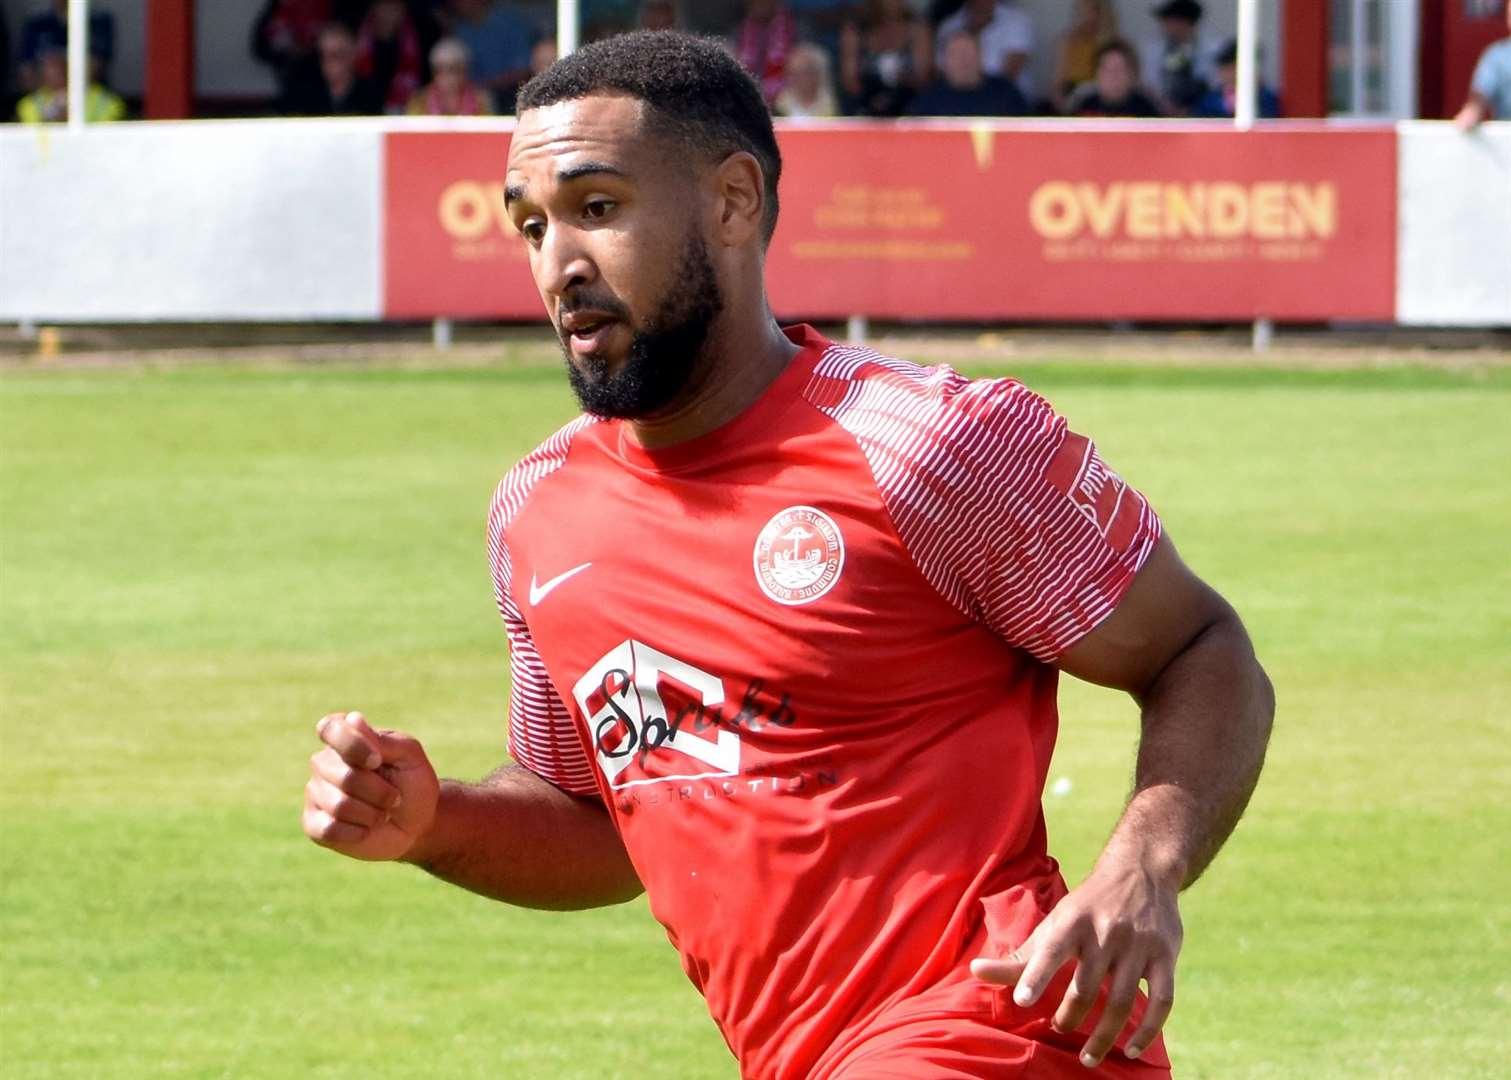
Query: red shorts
{"x": 918, "y": 1041}
{"x": 969, "y": 1049}
{"x": 962, "y": 1027}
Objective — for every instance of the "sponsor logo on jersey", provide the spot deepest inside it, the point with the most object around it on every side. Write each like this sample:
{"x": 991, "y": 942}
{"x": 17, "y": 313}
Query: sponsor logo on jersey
{"x": 1097, "y": 493}
{"x": 539, "y": 591}
{"x": 652, "y": 718}
{"x": 799, "y": 555}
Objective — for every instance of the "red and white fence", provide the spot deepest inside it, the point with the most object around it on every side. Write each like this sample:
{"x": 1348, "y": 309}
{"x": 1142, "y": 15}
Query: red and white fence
{"x": 1064, "y": 221}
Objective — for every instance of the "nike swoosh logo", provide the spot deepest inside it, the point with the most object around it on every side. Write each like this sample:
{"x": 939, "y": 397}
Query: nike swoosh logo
{"x": 540, "y": 592}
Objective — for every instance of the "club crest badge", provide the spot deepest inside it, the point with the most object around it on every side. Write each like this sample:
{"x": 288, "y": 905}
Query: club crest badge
{"x": 799, "y": 555}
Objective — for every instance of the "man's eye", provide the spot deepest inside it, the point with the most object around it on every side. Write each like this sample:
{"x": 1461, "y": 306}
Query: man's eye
{"x": 533, "y": 231}
{"x": 599, "y": 208}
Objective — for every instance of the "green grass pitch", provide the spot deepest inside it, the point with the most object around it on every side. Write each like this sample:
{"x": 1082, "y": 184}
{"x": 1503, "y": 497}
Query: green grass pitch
{"x": 196, "y": 562}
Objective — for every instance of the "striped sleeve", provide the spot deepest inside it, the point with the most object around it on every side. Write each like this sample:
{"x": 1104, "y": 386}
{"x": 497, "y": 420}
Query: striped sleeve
{"x": 542, "y": 737}
{"x": 1012, "y": 517}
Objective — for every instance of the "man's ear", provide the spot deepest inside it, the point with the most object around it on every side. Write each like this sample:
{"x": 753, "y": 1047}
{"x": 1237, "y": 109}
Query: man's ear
{"x": 740, "y": 198}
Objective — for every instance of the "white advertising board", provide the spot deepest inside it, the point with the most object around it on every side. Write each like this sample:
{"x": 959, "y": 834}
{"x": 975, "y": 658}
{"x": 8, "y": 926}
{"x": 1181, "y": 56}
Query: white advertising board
{"x": 237, "y": 220}
{"x": 1453, "y": 257}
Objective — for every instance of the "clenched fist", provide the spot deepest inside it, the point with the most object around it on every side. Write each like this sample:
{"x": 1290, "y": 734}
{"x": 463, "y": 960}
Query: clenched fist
{"x": 371, "y": 794}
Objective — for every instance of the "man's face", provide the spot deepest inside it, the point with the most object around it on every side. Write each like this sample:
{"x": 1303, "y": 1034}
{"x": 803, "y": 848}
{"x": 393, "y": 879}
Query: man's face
{"x": 1177, "y": 30}
{"x": 1114, "y": 77}
{"x": 450, "y": 71}
{"x": 805, "y": 76}
{"x": 543, "y": 55}
{"x": 979, "y": 12}
{"x": 54, "y": 72}
{"x": 962, "y": 62}
{"x": 658, "y": 15}
{"x": 612, "y": 216}
{"x": 338, "y": 55}
{"x": 388, "y": 18}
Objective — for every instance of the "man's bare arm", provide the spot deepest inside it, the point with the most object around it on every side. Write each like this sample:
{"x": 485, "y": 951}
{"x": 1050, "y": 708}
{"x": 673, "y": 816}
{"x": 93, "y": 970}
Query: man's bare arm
{"x": 517, "y": 838}
{"x": 1475, "y": 112}
{"x": 514, "y": 837}
{"x": 1181, "y": 651}
{"x": 1206, "y": 704}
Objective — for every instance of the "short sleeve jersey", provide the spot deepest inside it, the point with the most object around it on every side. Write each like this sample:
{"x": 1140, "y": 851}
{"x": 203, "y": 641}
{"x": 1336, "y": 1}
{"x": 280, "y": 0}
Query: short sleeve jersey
{"x": 1492, "y": 78}
{"x": 806, "y": 663}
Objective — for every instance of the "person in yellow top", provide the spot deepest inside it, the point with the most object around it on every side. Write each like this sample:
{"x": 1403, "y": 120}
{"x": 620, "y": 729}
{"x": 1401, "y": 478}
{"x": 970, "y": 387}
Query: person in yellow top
{"x": 48, "y": 103}
{"x": 1093, "y": 23}
{"x": 450, "y": 92}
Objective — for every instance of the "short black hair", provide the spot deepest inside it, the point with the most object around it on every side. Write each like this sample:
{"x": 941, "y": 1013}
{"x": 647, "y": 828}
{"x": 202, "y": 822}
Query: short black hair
{"x": 1122, "y": 48}
{"x": 697, "y": 92}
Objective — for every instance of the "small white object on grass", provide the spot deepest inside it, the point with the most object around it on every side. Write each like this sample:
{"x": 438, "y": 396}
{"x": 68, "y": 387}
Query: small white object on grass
{"x": 1061, "y": 787}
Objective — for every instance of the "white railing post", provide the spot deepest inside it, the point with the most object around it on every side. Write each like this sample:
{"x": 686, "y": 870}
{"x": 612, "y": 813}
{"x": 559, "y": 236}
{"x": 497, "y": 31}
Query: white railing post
{"x": 1245, "y": 107}
{"x": 78, "y": 62}
{"x": 566, "y": 27}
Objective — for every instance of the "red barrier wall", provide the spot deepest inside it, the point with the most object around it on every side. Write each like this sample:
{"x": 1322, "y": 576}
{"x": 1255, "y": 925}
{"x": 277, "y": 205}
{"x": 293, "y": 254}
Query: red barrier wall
{"x": 953, "y": 222}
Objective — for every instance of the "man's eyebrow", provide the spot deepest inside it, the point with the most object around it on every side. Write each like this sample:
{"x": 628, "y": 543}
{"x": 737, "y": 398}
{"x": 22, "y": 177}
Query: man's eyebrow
{"x": 513, "y": 192}
{"x": 588, "y": 168}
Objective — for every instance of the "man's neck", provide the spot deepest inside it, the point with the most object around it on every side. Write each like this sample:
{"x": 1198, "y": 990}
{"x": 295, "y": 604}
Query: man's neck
{"x": 744, "y": 357}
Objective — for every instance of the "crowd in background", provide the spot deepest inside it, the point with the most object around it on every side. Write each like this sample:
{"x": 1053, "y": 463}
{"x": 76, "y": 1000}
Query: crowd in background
{"x": 812, "y": 58}
{"x": 40, "y": 69}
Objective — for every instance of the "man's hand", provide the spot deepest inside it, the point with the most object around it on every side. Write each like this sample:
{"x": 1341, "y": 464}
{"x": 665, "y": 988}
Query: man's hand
{"x": 1475, "y": 112}
{"x": 371, "y": 794}
{"x": 1119, "y": 927}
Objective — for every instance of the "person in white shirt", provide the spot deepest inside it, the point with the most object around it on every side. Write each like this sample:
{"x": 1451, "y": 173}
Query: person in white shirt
{"x": 809, "y": 92}
{"x": 1003, "y": 32}
{"x": 1490, "y": 90}
{"x": 1178, "y": 62}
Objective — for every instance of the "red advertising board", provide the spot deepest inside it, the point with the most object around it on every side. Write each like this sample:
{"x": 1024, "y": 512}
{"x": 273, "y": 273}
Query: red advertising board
{"x": 448, "y": 247}
{"x": 980, "y": 222}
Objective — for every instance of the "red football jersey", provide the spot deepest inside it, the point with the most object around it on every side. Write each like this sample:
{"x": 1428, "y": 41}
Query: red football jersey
{"x": 805, "y": 661}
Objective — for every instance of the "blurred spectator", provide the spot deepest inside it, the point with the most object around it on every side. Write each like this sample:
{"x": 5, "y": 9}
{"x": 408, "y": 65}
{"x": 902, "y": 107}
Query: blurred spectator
{"x": 499, "y": 41}
{"x": 48, "y": 30}
{"x": 1092, "y": 23}
{"x": 338, "y": 89}
{"x": 1179, "y": 60}
{"x": 809, "y": 92}
{"x": 48, "y": 103}
{"x": 599, "y": 19}
{"x": 542, "y": 56}
{"x": 964, "y": 89}
{"x": 5, "y": 90}
{"x": 1004, "y": 36}
{"x": 821, "y": 22}
{"x": 285, "y": 36}
{"x": 762, "y": 42}
{"x": 1222, "y": 100}
{"x": 451, "y": 92}
{"x": 885, "y": 59}
{"x": 1490, "y": 89}
{"x": 1115, "y": 91}
{"x": 391, "y": 53}
{"x": 658, "y": 15}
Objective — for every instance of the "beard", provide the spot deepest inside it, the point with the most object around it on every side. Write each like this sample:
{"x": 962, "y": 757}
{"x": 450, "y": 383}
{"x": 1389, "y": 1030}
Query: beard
{"x": 664, "y": 352}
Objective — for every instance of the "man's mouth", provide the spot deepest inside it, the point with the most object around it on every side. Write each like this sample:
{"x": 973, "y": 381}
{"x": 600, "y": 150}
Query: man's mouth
{"x": 586, "y": 328}
{"x": 587, "y": 331}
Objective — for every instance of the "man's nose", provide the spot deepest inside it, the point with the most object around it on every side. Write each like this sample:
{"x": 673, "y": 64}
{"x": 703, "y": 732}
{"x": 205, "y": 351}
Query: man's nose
{"x": 563, "y": 264}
